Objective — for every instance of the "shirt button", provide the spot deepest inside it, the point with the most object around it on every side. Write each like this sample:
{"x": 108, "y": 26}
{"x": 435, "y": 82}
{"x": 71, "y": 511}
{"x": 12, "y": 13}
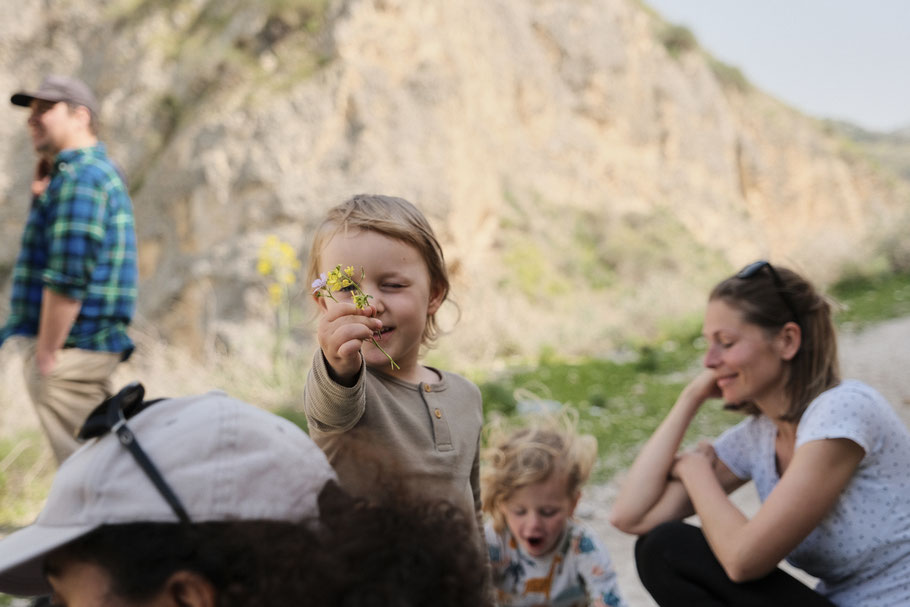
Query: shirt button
{"x": 427, "y": 388}
{"x": 438, "y": 414}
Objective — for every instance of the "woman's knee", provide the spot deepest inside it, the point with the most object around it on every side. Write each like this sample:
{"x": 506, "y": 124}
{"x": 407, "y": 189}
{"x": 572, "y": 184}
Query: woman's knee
{"x": 667, "y": 546}
{"x": 665, "y": 537}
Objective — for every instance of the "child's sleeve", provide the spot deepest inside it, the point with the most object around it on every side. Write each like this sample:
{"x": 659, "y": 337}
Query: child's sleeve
{"x": 329, "y": 406}
{"x": 475, "y": 486}
{"x": 596, "y": 571}
{"x": 484, "y": 537}
{"x": 497, "y": 557}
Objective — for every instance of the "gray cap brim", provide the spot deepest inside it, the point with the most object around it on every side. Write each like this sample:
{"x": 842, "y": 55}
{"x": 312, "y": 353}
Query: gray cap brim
{"x": 22, "y": 561}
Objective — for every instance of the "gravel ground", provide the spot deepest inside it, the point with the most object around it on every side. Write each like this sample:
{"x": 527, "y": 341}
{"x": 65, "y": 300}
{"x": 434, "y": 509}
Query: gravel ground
{"x": 877, "y": 356}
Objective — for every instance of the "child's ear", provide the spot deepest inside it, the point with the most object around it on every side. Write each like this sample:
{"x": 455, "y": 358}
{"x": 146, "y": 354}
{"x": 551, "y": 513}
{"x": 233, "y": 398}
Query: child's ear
{"x": 437, "y": 296}
{"x": 189, "y": 589}
{"x": 84, "y": 114}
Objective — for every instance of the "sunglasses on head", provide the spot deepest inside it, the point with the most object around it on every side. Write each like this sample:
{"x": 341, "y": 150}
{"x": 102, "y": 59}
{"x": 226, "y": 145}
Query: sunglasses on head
{"x": 755, "y": 267}
{"x": 111, "y": 416}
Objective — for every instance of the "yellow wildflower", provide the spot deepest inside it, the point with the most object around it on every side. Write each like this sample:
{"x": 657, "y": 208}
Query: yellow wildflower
{"x": 275, "y": 293}
{"x": 336, "y": 280}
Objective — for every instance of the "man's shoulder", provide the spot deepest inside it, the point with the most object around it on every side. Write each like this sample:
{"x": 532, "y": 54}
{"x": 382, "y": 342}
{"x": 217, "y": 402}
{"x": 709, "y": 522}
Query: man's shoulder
{"x": 92, "y": 164}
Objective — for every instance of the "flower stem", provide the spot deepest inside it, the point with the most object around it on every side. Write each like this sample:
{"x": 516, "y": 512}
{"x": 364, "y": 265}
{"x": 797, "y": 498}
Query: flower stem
{"x": 341, "y": 280}
{"x": 375, "y": 343}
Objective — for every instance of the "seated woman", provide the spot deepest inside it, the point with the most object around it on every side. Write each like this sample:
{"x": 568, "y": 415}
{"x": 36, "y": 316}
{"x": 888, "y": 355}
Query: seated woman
{"x": 205, "y": 501}
{"x": 829, "y": 459}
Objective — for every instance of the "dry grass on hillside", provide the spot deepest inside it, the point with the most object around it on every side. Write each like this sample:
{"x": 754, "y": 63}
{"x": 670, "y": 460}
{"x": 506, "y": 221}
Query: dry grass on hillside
{"x": 26, "y": 462}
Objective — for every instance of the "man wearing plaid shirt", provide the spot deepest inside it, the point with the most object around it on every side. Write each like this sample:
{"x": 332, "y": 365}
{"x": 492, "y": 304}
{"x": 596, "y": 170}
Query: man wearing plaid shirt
{"x": 74, "y": 283}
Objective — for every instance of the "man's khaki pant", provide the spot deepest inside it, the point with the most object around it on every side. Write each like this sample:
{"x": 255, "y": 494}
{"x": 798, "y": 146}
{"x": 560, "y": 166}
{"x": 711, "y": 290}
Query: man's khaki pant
{"x": 79, "y": 382}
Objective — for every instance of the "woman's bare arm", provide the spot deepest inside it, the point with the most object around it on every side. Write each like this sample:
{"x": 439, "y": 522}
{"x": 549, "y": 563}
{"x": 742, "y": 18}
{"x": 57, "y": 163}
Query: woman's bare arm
{"x": 650, "y": 494}
{"x": 750, "y": 548}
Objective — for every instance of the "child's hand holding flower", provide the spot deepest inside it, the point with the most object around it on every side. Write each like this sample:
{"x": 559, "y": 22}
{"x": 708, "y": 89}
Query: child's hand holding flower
{"x": 338, "y": 280}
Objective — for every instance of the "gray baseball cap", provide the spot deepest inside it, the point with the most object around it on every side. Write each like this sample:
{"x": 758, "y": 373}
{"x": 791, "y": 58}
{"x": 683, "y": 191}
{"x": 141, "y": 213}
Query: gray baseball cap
{"x": 59, "y": 88}
{"x": 225, "y": 460}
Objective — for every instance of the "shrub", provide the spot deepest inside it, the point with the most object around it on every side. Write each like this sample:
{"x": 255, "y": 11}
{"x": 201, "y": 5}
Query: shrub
{"x": 678, "y": 39}
{"x": 729, "y": 76}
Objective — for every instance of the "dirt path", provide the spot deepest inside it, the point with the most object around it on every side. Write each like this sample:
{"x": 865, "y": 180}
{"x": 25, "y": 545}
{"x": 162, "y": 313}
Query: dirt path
{"x": 879, "y": 356}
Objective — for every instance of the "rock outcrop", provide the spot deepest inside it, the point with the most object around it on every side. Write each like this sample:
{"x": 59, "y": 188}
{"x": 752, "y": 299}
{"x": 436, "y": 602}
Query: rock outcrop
{"x": 588, "y": 179}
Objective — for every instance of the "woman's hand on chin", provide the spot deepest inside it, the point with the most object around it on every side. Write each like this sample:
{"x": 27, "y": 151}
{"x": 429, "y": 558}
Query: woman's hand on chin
{"x": 702, "y": 387}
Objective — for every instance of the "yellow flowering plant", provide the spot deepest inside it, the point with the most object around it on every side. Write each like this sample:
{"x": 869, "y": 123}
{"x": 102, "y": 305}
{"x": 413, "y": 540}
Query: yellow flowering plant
{"x": 343, "y": 280}
{"x": 278, "y": 264}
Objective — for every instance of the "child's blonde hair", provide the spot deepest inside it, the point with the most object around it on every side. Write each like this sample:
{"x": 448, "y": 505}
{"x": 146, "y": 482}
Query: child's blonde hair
{"x": 392, "y": 217}
{"x": 529, "y": 455}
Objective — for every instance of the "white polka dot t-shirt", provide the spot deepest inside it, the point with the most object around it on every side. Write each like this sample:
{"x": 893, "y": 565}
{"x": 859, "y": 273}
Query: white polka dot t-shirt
{"x": 861, "y": 549}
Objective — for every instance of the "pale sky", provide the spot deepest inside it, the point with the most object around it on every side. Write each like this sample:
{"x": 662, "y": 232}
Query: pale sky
{"x": 844, "y": 59}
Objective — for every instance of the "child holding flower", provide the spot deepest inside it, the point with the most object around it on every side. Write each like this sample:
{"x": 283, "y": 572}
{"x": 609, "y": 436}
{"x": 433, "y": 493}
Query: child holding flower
{"x": 367, "y": 397}
{"x": 539, "y": 554}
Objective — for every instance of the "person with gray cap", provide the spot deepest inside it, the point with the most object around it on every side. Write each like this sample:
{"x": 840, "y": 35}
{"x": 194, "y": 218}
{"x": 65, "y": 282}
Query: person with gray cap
{"x": 206, "y": 500}
{"x": 75, "y": 280}
{"x": 188, "y": 467}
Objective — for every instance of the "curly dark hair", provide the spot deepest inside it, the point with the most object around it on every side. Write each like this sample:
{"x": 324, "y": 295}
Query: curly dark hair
{"x": 403, "y": 553}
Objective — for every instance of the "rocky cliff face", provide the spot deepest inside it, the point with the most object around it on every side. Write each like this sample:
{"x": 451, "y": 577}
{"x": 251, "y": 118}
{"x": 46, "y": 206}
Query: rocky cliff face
{"x": 588, "y": 178}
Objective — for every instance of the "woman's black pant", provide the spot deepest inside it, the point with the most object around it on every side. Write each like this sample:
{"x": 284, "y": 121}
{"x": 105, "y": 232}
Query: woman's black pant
{"x": 676, "y": 565}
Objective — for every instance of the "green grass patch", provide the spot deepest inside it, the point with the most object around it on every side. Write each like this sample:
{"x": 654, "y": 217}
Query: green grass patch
{"x": 294, "y": 415}
{"x": 26, "y": 470}
{"x": 618, "y": 402}
{"x": 867, "y": 299}
{"x": 622, "y": 401}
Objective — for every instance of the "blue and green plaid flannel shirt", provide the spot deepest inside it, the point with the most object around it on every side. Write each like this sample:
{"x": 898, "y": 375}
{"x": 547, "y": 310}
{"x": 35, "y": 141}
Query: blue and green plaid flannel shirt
{"x": 79, "y": 241}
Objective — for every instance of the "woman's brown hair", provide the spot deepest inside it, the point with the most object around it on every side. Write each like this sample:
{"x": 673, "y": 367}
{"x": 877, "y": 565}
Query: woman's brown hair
{"x": 770, "y": 298}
